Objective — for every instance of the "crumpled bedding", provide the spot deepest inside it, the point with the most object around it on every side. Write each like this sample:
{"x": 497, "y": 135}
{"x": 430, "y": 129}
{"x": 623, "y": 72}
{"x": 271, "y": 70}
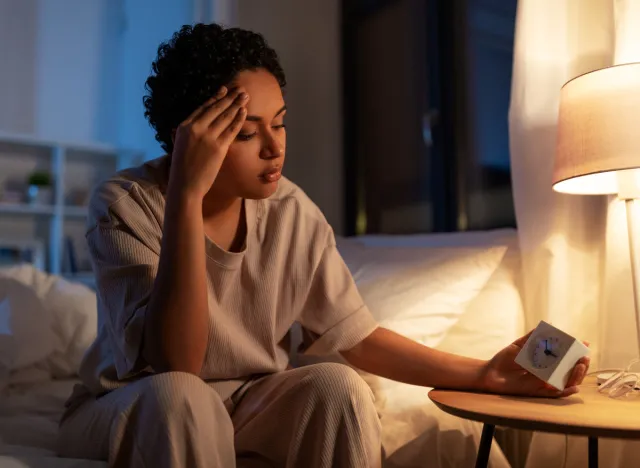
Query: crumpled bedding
{"x": 420, "y": 435}
{"x": 30, "y": 408}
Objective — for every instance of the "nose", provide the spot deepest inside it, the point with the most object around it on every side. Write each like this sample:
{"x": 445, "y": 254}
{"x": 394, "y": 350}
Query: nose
{"x": 272, "y": 148}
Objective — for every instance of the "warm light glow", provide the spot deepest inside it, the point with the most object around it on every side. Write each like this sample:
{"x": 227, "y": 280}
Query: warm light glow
{"x": 625, "y": 184}
{"x": 603, "y": 183}
{"x": 598, "y": 145}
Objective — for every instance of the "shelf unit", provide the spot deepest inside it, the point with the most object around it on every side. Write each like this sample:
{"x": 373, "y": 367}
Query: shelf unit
{"x": 72, "y": 166}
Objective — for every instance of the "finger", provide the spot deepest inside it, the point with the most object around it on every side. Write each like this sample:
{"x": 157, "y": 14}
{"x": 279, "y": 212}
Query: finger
{"x": 569, "y": 391}
{"x": 552, "y": 392}
{"x": 576, "y": 375}
{"x": 226, "y": 118}
{"x": 219, "y": 107}
{"x": 579, "y": 372}
{"x": 548, "y": 392}
{"x": 210, "y": 102}
{"x": 523, "y": 339}
{"x": 586, "y": 343}
{"x": 586, "y": 360}
{"x": 201, "y": 109}
{"x": 584, "y": 364}
{"x": 231, "y": 132}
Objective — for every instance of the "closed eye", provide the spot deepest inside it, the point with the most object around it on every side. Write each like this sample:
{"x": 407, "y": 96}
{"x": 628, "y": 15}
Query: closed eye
{"x": 245, "y": 136}
{"x": 249, "y": 136}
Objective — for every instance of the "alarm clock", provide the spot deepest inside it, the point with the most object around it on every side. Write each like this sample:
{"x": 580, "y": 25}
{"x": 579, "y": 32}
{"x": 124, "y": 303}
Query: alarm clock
{"x": 551, "y": 354}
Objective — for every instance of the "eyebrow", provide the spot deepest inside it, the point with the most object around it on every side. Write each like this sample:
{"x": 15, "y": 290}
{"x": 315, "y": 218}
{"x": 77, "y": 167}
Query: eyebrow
{"x": 256, "y": 118}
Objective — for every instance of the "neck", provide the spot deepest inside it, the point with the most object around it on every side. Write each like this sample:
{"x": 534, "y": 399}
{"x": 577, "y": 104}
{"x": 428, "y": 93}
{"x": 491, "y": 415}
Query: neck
{"x": 216, "y": 207}
{"x": 224, "y": 221}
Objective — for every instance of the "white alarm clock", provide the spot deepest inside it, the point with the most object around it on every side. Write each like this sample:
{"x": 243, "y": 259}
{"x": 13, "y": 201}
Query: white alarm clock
{"x": 551, "y": 354}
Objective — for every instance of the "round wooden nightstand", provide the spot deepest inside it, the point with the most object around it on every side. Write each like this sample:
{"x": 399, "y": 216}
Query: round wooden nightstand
{"x": 588, "y": 413}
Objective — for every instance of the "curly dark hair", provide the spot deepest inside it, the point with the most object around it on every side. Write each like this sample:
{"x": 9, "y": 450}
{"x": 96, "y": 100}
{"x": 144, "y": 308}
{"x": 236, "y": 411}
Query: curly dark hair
{"x": 193, "y": 65}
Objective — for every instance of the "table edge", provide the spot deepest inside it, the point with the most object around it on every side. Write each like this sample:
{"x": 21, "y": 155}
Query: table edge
{"x": 539, "y": 426}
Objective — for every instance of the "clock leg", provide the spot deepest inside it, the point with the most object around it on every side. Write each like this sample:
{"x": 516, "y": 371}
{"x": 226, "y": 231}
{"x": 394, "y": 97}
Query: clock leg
{"x": 482, "y": 461}
{"x": 593, "y": 452}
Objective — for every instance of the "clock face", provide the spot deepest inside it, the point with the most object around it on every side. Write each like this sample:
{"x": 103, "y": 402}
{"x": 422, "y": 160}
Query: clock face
{"x": 548, "y": 352}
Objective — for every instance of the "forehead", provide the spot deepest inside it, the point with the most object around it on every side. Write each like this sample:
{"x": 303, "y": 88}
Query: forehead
{"x": 263, "y": 89}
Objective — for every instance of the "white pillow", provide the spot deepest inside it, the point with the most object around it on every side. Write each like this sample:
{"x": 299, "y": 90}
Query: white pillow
{"x": 75, "y": 323}
{"x": 25, "y": 326}
{"x": 493, "y": 319}
{"x": 494, "y": 237}
{"x": 419, "y": 292}
{"x": 73, "y": 316}
{"x": 30, "y": 276}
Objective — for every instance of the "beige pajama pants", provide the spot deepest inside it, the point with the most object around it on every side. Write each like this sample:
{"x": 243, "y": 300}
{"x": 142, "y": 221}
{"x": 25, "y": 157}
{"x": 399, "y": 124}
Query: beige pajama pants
{"x": 318, "y": 416}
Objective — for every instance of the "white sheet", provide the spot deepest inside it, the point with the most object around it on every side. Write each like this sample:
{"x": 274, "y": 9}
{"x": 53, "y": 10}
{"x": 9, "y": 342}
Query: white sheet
{"x": 45, "y": 461}
{"x": 420, "y": 435}
{"x": 415, "y": 433}
{"x": 29, "y": 415}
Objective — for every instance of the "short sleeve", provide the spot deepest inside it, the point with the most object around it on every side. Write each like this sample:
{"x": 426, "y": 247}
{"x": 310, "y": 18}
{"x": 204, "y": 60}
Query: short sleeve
{"x": 335, "y": 317}
{"x": 124, "y": 249}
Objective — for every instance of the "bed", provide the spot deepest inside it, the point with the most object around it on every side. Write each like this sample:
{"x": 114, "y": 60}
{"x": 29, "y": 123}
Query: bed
{"x": 456, "y": 292}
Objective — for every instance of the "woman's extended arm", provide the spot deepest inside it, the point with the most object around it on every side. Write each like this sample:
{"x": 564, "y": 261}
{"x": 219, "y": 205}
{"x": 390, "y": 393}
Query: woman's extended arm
{"x": 393, "y": 356}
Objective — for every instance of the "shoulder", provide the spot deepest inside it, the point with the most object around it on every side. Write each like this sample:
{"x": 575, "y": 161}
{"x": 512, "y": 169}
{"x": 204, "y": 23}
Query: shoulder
{"x": 130, "y": 192}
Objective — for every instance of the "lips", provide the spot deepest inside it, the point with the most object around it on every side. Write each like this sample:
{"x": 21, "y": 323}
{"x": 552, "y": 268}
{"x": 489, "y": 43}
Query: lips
{"x": 272, "y": 174}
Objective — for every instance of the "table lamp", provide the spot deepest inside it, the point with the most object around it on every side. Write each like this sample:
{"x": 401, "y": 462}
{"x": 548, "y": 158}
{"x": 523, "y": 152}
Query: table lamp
{"x": 598, "y": 145}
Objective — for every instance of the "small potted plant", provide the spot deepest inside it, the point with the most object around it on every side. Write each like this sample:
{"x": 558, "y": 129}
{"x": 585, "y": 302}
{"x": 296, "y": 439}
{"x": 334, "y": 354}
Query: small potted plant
{"x": 40, "y": 191}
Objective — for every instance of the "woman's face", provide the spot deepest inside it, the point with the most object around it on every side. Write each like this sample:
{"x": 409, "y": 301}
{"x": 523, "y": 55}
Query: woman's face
{"x": 254, "y": 162}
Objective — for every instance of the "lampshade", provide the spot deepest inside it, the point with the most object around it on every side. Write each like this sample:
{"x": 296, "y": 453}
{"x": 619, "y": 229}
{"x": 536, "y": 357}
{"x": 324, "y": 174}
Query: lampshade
{"x": 598, "y": 141}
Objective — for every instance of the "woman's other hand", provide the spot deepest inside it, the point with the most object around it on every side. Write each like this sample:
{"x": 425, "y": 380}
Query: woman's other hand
{"x": 502, "y": 375}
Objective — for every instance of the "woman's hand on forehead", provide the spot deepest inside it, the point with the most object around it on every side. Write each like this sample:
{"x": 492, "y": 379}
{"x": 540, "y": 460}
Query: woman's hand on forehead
{"x": 202, "y": 140}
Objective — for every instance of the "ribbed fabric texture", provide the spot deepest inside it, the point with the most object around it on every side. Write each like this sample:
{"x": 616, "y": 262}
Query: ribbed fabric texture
{"x": 289, "y": 271}
{"x": 319, "y": 416}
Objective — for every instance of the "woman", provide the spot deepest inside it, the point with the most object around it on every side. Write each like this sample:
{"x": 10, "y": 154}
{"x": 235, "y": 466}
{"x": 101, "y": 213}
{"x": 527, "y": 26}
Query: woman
{"x": 204, "y": 259}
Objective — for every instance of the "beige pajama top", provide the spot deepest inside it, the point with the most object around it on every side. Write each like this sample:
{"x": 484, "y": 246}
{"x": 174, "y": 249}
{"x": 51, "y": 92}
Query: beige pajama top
{"x": 289, "y": 271}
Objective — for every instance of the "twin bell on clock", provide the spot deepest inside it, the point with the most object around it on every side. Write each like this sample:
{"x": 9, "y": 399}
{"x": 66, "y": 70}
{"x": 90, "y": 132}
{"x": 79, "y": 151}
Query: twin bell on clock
{"x": 550, "y": 354}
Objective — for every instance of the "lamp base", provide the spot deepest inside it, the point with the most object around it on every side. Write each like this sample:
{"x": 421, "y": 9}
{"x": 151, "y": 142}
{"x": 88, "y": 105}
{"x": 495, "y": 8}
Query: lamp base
{"x": 634, "y": 250}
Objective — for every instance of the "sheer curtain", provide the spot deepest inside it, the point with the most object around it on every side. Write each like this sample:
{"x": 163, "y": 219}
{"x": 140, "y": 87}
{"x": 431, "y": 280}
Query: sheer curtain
{"x": 575, "y": 248}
